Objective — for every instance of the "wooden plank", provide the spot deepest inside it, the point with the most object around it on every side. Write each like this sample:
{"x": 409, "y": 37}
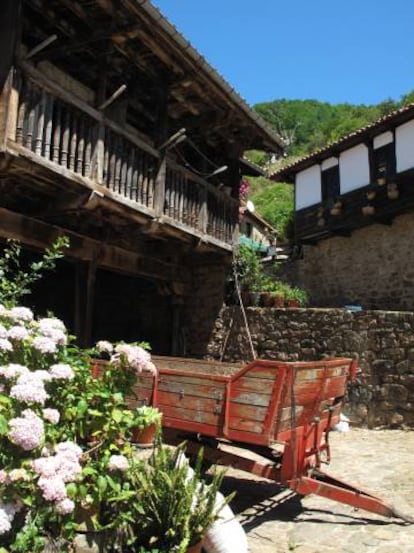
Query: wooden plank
{"x": 190, "y": 415}
{"x": 308, "y": 392}
{"x": 252, "y": 385}
{"x": 194, "y": 402}
{"x": 250, "y": 398}
{"x": 182, "y": 389}
{"x": 247, "y": 412}
{"x": 193, "y": 427}
{"x": 317, "y": 374}
{"x": 245, "y": 425}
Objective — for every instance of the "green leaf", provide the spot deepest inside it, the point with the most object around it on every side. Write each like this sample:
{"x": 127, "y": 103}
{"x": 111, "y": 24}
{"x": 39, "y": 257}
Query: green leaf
{"x": 82, "y": 407}
{"x": 102, "y": 484}
{"x": 3, "y": 425}
{"x": 117, "y": 415}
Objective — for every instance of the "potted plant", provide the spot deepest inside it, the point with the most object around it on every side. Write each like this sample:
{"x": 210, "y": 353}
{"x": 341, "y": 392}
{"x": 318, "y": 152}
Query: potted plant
{"x": 176, "y": 507}
{"x": 297, "y": 297}
{"x": 266, "y": 295}
{"x": 392, "y": 191}
{"x": 280, "y": 291}
{"x": 145, "y": 423}
{"x": 368, "y": 210}
{"x": 248, "y": 274}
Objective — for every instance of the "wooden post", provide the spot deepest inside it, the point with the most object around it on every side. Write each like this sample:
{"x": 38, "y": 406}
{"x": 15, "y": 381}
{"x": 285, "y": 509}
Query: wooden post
{"x": 203, "y": 210}
{"x": 99, "y": 154}
{"x": 90, "y": 294}
{"x": 159, "y": 192}
{"x": 9, "y": 107}
{"x": 78, "y": 300}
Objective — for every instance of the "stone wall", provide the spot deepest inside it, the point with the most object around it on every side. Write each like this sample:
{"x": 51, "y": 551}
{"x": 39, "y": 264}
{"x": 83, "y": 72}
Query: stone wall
{"x": 383, "y": 341}
{"x": 203, "y": 307}
{"x": 373, "y": 267}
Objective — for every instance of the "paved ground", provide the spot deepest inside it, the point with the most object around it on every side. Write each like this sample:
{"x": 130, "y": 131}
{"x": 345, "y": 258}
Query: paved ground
{"x": 377, "y": 460}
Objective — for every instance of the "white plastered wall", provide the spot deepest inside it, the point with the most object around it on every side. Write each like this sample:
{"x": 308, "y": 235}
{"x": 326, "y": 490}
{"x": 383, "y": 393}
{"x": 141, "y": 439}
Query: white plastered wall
{"x": 308, "y": 187}
{"x": 354, "y": 168}
{"x": 404, "y": 149}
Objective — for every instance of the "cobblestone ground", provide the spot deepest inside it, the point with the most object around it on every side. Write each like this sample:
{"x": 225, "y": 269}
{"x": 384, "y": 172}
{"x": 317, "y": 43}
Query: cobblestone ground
{"x": 381, "y": 461}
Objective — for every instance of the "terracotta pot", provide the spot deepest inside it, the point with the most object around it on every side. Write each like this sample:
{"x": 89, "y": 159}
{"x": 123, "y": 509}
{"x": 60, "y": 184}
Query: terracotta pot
{"x": 278, "y": 301}
{"x": 96, "y": 371}
{"x": 393, "y": 194}
{"x": 267, "y": 299}
{"x": 144, "y": 436}
{"x": 368, "y": 210}
{"x": 196, "y": 548}
{"x": 293, "y": 303}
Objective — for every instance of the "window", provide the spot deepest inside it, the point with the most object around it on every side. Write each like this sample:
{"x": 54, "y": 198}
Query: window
{"x": 383, "y": 162}
{"x": 330, "y": 184}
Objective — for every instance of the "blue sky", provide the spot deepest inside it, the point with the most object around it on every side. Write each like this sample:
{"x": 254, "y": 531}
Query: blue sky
{"x": 356, "y": 51}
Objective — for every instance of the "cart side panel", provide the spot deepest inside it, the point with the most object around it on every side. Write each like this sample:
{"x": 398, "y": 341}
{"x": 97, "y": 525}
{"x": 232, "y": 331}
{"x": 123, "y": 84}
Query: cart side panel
{"x": 253, "y": 397}
{"x": 313, "y": 392}
{"x": 189, "y": 402}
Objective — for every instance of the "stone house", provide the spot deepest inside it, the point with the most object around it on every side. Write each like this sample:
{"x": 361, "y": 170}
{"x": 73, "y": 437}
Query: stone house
{"x": 354, "y": 217}
{"x": 115, "y": 132}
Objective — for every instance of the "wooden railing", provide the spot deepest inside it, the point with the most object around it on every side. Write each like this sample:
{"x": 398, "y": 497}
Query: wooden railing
{"x": 64, "y": 130}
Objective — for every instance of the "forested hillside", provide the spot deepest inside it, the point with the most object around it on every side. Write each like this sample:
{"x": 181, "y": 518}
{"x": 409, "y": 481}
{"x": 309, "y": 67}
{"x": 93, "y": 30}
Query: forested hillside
{"x": 307, "y": 125}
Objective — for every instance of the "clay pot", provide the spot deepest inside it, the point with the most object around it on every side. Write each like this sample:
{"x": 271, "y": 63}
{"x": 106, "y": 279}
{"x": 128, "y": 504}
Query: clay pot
{"x": 267, "y": 299}
{"x": 293, "y": 303}
{"x": 144, "y": 437}
{"x": 368, "y": 210}
{"x": 278, "y": 301}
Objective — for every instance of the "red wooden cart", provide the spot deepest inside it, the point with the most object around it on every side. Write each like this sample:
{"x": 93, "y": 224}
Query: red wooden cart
{"x": 282, "y": 411}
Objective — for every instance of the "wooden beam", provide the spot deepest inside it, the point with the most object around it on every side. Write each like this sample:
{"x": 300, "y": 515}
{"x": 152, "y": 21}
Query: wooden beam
{"x": 37, "y": 234}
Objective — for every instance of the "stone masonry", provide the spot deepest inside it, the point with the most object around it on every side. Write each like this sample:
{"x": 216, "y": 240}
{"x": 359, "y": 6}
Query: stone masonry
{"x": 383, "y": 341}
{"x": 374, "y": 267}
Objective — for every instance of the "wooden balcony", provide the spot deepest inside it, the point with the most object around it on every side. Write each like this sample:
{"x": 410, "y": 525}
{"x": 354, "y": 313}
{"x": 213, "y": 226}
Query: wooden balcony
{"x": 62, "y": 145}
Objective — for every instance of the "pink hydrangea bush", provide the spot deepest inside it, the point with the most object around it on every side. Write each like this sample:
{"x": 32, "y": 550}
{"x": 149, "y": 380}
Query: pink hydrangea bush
{"x": 63, "y": 433}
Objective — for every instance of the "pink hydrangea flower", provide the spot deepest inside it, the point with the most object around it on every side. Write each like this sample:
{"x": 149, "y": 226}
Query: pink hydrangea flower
{"x": 53, "y": 488}
{"x": 13, "y": 370}
{"x": 135, "y": 356}
{"x": 23, "y": 314}
{"x": 18, "y": 333}
{"x": 3, "y": 310}
{"x": 69, "y": 449}
{"x": 51, "y": 415}
{"x": 53, "y": 329}
{"x": 65, "y": 507}
{"x": 103, "y": 346}
{"x": 27, "y": 431}
{"x": 118, "y": 462}
{"x": 45, "y": 467}
{"x": 44, "y": 344}
{"x": 51, "y": 322}
{"x": 5, "y": 345}
{"x": 7, "y": 512}
{"x": 61, "y": 371}
{"x": 68, "y": 468}
{"x": 29, "y": 388}
{"x": 3, "y": 331}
